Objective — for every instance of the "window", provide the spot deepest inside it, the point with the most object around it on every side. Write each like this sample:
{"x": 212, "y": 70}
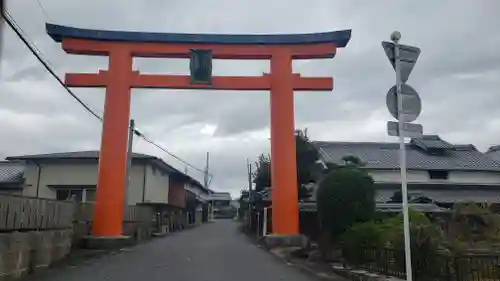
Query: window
{"x": 438, "y": 175}
{"x": 78, "y": 195}
{"x": 436, "y": 151}
{"x": 69, "y": 194}
{"x": 90, "y": 195}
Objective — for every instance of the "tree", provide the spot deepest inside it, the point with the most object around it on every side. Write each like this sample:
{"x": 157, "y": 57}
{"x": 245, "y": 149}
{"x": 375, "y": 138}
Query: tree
{"x": 307, "y": 167}
{"x": 397, "y": 197}
{"x": 307, "y": 157}
{"x": 262, "y": 174}
{"x": 345, "y": 196}
{"x": 350, "y": 160}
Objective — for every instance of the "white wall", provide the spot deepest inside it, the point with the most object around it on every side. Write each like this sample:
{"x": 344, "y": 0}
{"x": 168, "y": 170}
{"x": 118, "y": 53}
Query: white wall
{"x": 417, "y": 176}
{"x": 153, "y": 188}
{"x": 57, "y": 174}
{"x": 475, "y": 177}
{"x": 137, "y": 184}
{"x": 394, "y": 176}
{"x": 157, "y": 186}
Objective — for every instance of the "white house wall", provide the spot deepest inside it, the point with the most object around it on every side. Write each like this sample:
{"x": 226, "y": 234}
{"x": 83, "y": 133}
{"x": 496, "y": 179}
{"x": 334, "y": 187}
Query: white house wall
{"x": 30, "y": 183}
{"x": 57, "y": 174}
{"x": 454, "y": 177}
{"x": 137, "y": 184}
{"x": 156, "y": 185}
{"x": 394, "y": 176}
{"x": 475, "y": 177}
{"x": 446, "y": 196}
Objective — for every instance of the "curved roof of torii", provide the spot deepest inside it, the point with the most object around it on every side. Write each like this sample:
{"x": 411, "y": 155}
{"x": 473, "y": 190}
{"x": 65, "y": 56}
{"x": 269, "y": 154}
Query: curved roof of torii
{"x": 338, "y": 38}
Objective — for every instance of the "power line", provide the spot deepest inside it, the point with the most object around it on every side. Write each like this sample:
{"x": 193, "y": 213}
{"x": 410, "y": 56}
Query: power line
{"x": 43, "y": 9}
{"x": 38, "y": 54}
{"x": 10, "y": 21}
{"x": 168, "y": 152}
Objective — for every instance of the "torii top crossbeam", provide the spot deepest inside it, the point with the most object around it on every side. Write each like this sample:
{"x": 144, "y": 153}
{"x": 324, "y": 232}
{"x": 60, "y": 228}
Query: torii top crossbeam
{"x": 338, "y": 39}
{"x": 122, "y": 46}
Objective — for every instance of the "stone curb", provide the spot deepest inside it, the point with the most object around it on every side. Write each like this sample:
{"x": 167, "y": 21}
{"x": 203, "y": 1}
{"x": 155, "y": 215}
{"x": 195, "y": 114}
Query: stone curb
{"x": 306, "y": 269}
{"x": 342, "y": 274}
{"x": 290, "y": 262}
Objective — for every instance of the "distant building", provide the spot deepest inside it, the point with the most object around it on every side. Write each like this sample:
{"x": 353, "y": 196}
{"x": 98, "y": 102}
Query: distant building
{"x": 223, "y": 206}
{"x": 220, "y": 199}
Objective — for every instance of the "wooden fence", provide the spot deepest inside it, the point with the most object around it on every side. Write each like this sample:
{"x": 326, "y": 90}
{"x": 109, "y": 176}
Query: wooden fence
{"x": 84, "y": 212}
{"x": 26, "y": 213}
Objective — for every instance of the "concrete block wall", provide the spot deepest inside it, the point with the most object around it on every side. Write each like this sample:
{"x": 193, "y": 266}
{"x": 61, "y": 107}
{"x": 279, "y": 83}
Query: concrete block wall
{"x": 139, "y": 231}
{"x": 24, "y": 252}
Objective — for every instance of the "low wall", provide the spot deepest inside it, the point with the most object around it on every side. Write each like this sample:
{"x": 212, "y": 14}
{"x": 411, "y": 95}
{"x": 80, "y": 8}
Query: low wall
{"x": 137, "y": 222}
{"x": 137, "y": 230}
{"x": 32, "y": 251}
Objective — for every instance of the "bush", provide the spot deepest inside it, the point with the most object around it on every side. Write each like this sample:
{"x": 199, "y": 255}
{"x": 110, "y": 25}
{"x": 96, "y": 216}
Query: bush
{"x": 345, "y": 197}
{"x": 369, "y": 240}
{"x": 425, "y": 241}
{"x": 361, "y": 237}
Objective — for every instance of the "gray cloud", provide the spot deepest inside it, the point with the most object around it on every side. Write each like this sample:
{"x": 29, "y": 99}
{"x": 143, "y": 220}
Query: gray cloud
{"x": 456, "y": 75}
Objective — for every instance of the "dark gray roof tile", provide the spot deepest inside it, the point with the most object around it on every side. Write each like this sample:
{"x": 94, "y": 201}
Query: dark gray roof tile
{"x": 91, "y": 154}
{"x": 431, "y": 141}
{"x": 94, "y": 154}
{"x": 11, "y": 172}
{"x": 386, "y": 156}
{"x": 494, "y": 153}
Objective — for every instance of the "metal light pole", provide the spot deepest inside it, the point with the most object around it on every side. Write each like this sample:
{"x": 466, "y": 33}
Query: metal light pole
{"x": 264, "y": 223}
{"x": 395, "y": 37}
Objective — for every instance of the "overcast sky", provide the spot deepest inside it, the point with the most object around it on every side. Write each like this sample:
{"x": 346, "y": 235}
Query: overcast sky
{"x": 457, "y": 76}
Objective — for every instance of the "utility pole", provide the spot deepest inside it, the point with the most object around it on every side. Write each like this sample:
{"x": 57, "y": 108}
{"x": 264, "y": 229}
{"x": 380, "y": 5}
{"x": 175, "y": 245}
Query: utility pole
{"x": 206, "y": 175}
{"x": 2, "y": 11}
{"x": 129, "y": 159}
{"x": 250, "y": 194}
{"x": 206, "y": 180}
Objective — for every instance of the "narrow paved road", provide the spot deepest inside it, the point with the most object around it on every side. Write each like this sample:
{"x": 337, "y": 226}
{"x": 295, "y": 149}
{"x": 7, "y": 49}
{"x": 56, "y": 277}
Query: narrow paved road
{"x": 211, "y": 252}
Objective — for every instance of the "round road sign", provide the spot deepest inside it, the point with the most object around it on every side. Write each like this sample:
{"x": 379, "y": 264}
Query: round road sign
{"x": 412, "y": 105}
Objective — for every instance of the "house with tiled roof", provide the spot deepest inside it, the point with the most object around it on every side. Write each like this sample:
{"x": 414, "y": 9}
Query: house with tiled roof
{"x": 436, "y": 169}
{"x": 73, "y": 176}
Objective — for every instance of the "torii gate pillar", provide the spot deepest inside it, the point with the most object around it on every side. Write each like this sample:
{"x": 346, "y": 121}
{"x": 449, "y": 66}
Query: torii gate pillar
{"x": 121, "y": 47}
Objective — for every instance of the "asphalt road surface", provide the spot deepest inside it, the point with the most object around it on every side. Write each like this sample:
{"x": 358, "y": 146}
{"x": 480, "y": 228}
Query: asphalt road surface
{"x": 211, "y": 252}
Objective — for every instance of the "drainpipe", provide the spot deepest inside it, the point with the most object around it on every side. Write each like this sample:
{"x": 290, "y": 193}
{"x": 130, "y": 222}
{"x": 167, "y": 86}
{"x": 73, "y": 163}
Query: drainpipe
{"x": 38, "y": 178}
{"x": 144, "y": 182}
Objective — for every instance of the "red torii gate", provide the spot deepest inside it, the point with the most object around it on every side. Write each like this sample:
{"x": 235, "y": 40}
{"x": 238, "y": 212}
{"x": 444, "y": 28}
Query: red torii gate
{"x": 118, "y": 80}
